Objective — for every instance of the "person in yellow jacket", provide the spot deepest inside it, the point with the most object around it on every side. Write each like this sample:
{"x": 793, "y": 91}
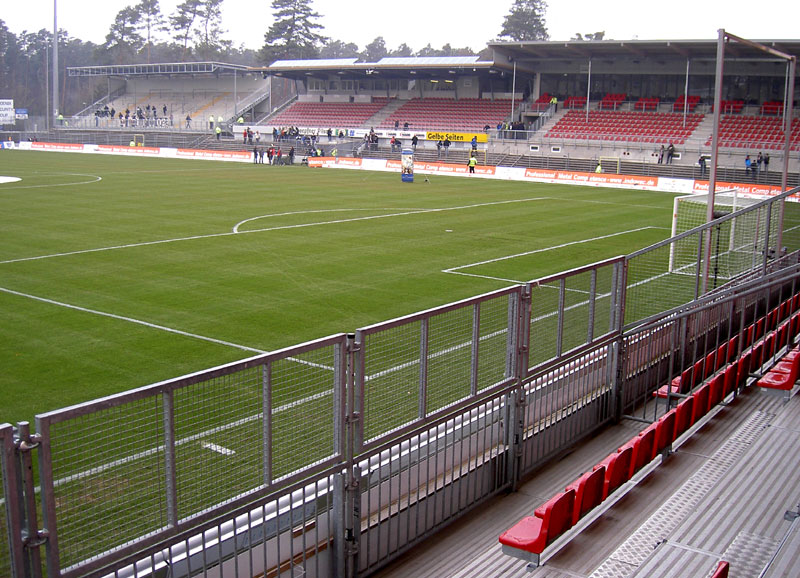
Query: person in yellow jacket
{"x": 598, "y": 169}
{"x": 472, "y": 162}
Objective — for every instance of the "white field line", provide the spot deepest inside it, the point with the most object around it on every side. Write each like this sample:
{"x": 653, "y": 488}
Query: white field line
{"x": 219, "y": 449}
{"x": 456, "y": 270}
{"x": 157, "y": 327}
{"x": 95, "y": 179}
{"x": 264, "y": 230}
{"x": 131, "y": 320}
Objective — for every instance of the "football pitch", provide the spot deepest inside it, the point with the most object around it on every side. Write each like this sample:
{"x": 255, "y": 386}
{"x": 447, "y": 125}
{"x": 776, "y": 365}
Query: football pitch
{"x": 117, "y": 272}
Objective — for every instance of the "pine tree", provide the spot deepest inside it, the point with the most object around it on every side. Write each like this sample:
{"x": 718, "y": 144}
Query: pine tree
{"x": 525, "y": 22}
{"x": 294, "y": 34}
{"x": 123, "y": 40}
{"x": 150, "y": 21}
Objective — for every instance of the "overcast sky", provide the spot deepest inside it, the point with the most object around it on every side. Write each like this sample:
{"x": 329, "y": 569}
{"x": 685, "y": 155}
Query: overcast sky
{"x": 471, "y": 23}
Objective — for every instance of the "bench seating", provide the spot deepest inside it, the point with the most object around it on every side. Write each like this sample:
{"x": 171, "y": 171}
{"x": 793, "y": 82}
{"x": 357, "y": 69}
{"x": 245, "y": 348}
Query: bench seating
{"x": 528, "y": 538}
{"x": 781, "y": 379}
{"x": 728, "y": 370}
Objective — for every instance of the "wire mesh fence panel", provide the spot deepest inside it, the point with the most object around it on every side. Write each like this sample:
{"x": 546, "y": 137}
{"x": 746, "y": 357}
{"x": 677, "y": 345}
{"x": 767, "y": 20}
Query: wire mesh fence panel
{"x": 219, "y": 439}
{"x": 108, "y": 477}
{"x": 391, "y": 380}
{"x": 416, "y": 366}
{"x": 495, "y": 341}
{"x": 450, "y": 351}
{"x": 166, "y": 453}
{"x": 544, "y": 323}
{"x": 570, "y": 310}
{"x": 307, "y": 394}
{"x": 652, "y": 288}
{"x": 791, "y": 226}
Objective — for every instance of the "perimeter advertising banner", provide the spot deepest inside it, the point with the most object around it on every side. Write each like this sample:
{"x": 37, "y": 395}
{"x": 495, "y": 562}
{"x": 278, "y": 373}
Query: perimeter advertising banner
{"x": 457, "y": 136}
{"x": 7, "y": 113}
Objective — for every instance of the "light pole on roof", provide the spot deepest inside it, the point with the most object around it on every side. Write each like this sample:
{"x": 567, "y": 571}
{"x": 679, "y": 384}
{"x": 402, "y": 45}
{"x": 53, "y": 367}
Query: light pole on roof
{"x": 54, "y": 112}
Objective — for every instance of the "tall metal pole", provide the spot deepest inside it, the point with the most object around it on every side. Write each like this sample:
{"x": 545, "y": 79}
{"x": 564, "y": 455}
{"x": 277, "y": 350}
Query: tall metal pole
{"x": 588, "y": 89}
{"x": 787, "y": 146}
{"x": 686, "y": 93}
{"x": 513, "y": 91}
{"x": 55, "y": 112}
{"x": 712, "y": 180}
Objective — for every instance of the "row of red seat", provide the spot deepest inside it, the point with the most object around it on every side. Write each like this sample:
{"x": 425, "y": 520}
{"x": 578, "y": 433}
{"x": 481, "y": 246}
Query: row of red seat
{"x": 625, "y": 126}
{"x": 760, "y": 342}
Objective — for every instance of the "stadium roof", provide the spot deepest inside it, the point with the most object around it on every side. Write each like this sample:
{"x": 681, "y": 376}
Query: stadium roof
{"x": 391, "y": 66}
{"x": 541, "y": 56}
{"x": 152, "y": 69}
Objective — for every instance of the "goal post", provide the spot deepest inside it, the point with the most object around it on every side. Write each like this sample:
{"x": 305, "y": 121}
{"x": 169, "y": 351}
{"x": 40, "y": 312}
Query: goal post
{"x": 609, "y": 164}
{"x": 733, "y": 244}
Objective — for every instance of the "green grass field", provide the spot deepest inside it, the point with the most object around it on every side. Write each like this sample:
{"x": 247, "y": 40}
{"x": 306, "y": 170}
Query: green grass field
{"x": 118, "y": 272}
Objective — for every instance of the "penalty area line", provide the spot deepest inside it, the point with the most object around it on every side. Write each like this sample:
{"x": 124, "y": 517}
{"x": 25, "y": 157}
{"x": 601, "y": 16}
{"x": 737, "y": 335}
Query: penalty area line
{"x": 458, "y": 270}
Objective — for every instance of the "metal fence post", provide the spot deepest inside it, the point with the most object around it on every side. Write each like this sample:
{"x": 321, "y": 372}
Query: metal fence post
{"x": 32, "y": 536}
{"x": 516, "y": 402}
{"x": 14, "y": 503}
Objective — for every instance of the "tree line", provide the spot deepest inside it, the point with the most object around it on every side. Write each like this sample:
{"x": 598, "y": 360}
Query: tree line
{"x": 141, "y": 33}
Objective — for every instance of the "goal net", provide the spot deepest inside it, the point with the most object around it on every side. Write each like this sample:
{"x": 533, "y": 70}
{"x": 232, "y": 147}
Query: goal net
{"x": 735, "y": 243}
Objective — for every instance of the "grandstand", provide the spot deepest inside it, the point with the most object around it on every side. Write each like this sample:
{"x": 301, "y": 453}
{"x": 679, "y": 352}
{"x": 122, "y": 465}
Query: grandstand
{"x": 622, "y": 116}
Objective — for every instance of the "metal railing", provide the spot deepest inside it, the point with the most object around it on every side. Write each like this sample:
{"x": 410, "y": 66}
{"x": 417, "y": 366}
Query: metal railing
{"x": 335, "y": 456}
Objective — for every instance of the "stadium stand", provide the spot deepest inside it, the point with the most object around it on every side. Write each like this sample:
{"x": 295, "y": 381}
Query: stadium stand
{"x": 626, "y": 126}
{"x": 575, "y": 102}
{"x": 612, "y": 101}
{"x": 447, "y": 113}
{"x": 689, "y": 103}
{"x": 738, "y": 131}
{"x": 647, "y": 104}
{"x": 329, "y": 114}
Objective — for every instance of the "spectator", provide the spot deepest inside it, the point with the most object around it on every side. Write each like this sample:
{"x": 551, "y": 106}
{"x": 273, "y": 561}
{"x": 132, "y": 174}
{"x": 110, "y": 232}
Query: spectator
{"x": 291, "y": 155}
{"x": 759, "y": 162}
{"x": 414, "y": 141}
{"x": 702, "y": 162}
{"x": 661, "y": 155}
{"x": 766, "y": 162}
{"x": 748, "y": 164}
{"x": 438, "y": 149}
{"x": 446, "y": 145}
{"x": 188, "y": 121}
{"x": 670, "y": 153}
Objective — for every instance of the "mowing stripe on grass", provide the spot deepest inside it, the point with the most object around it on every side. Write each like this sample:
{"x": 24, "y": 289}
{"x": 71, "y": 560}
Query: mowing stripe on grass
{"x": 279, "y": 228}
